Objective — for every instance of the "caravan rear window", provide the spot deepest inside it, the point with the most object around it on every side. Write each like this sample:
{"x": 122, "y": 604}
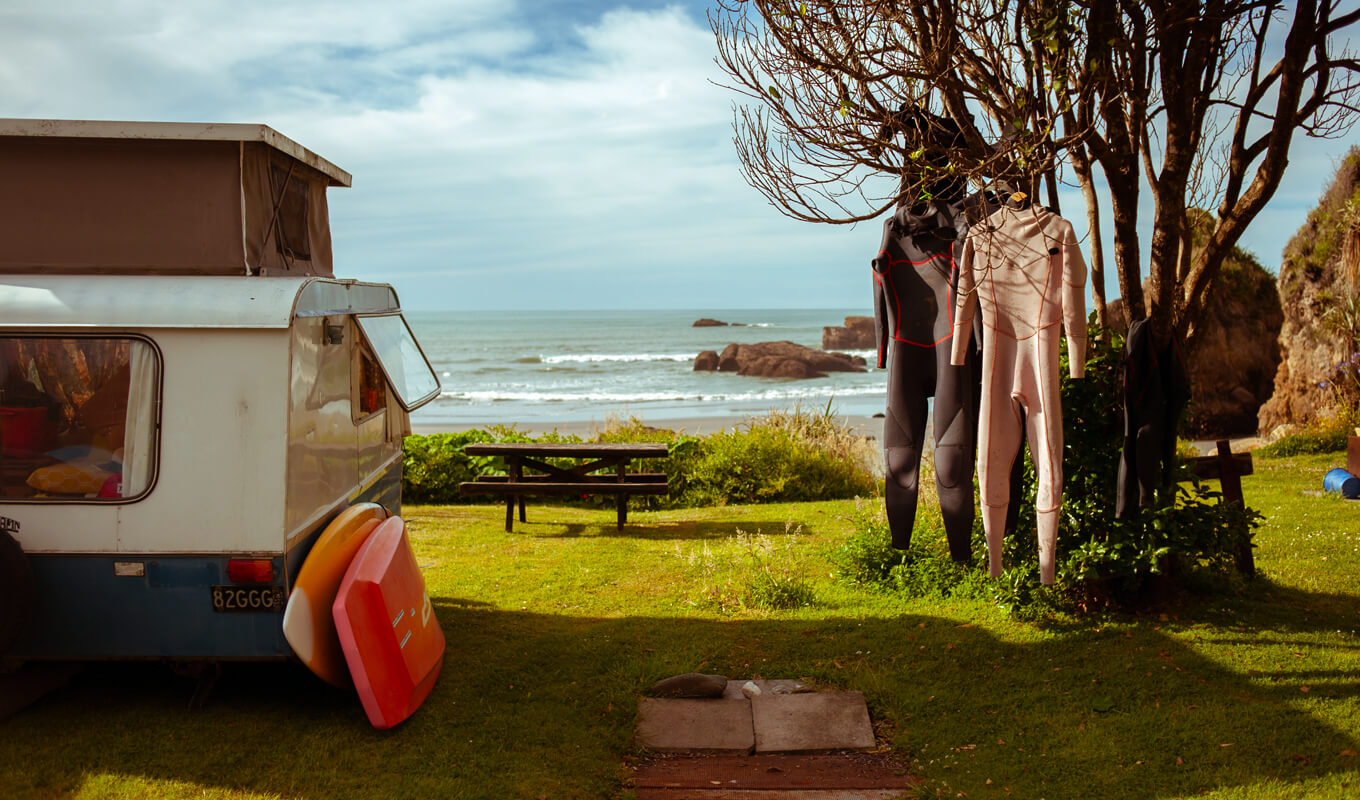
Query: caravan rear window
{"x": 77, "y": 418}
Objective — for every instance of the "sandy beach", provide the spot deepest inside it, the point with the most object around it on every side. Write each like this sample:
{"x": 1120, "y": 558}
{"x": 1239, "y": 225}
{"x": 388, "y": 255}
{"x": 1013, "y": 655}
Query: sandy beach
{"x": 695, "y": 426}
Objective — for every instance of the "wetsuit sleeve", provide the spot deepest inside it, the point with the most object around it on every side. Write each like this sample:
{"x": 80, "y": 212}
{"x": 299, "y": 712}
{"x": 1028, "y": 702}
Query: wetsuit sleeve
{"x": 1074, "y": 301}
{"x": 965, "y": 306}
{"x": 881, "y": 322}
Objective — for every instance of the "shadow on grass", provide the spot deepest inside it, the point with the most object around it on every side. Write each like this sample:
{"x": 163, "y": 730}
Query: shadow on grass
{"x": 533, "y": 704}
{"x": 570, "y": 522}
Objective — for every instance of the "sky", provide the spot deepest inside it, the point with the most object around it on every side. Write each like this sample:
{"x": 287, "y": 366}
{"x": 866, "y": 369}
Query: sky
{"x": 506, "y": 154}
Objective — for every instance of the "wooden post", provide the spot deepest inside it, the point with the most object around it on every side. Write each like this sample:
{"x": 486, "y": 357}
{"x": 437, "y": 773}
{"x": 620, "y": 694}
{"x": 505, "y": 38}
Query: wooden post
{"x": 515, "y": 472}
{"x": 1231, "y": 481}
{"x": 623, "y": 496}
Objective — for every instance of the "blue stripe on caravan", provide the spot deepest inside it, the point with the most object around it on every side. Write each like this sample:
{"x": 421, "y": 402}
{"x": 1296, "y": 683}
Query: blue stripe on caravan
{"x": 84, "y": 610}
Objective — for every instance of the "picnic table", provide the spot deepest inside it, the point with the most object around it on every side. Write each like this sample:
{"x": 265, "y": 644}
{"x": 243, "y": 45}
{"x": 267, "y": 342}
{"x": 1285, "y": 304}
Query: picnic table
{"x": 585, "y": 478}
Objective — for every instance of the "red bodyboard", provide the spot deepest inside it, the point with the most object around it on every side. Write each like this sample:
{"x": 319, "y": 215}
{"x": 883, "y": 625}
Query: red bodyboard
{"x": 392, "y": 641}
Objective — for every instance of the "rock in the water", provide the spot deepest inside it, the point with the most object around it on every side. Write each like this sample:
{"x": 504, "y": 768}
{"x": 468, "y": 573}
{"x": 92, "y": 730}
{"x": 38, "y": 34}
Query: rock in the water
{"x": 691, "y": 684}
{"x": 707, "y": 361}
{"x": 708, "y": 323}
{"x": 856, "y": 334}
{"x": 785, "y": 360}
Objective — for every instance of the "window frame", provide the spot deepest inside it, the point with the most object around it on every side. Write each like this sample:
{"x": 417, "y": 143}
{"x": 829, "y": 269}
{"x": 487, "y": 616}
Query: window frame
{"x": 154, "y": 440}
{"x": 391, "y": 385}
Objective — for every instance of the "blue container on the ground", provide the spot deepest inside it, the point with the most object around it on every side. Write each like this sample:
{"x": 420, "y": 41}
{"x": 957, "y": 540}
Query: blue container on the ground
{"x": 1339, "y": 481}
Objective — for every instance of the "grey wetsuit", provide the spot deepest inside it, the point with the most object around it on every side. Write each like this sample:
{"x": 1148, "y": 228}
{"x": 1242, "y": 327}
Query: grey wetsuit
{"x": 914, "y": 276}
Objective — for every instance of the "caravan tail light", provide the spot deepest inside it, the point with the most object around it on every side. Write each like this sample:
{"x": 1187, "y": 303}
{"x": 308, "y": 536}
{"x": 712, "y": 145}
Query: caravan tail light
{"x": 250, "y": 570}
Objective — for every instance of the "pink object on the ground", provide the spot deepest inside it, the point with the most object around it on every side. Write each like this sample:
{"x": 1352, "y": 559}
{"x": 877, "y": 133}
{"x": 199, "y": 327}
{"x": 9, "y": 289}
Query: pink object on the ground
{"x": 391, "y": 638}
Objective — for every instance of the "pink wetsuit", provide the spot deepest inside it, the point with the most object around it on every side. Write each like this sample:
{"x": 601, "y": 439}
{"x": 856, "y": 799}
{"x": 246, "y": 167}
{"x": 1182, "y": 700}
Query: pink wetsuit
{"x": 1024, "y": 270}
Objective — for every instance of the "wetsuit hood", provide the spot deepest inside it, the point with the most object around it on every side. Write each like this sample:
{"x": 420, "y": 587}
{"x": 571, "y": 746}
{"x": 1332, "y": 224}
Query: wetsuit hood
{"x": 932, "y": 217}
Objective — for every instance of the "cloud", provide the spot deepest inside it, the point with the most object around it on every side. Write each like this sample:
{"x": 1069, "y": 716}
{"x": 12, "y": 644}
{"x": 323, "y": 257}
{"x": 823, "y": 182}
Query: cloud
{"x": 537, "y": 153}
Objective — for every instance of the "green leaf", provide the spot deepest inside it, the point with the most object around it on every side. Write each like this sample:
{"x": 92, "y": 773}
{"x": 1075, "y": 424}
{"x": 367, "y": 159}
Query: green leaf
{"x": 774, "y": 91}
{"x": 1102, "y": 704}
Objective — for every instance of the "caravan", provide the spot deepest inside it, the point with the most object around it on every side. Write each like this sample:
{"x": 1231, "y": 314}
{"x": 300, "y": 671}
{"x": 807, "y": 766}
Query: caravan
{"x": 187, "y": 395}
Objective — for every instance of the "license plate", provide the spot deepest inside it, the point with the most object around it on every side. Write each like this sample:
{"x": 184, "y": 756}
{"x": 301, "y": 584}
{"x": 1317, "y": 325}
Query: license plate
{"x": 264, "y": 598}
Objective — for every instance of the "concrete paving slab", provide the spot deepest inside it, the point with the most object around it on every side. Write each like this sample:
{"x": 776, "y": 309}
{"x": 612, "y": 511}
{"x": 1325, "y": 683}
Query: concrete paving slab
{"x": 819, "y": 722}
{"x": 667, "y": 725}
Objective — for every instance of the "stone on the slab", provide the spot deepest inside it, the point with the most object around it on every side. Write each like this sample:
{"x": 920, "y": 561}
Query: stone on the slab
{"x": 668, "y": 725}
{"x": 779, "y": 686}
{"x": 816, "y": 722}
{"x": 691, "y": 684}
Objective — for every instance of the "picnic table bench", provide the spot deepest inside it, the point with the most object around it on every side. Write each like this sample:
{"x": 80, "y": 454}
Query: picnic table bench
{"x": 582, "y": 479}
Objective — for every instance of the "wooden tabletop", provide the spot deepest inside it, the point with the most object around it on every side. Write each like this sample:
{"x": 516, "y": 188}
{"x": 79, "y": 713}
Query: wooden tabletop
{"x": 571, "y": 449}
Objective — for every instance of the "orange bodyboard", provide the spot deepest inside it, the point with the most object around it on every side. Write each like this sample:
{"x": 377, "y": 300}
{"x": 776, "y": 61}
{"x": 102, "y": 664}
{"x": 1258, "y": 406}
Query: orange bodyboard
{"x": 308, "y": 624}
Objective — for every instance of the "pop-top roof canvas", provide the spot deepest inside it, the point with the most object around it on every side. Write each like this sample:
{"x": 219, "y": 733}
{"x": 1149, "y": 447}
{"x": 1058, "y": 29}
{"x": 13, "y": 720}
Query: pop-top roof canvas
{"x": 85, "y": 197}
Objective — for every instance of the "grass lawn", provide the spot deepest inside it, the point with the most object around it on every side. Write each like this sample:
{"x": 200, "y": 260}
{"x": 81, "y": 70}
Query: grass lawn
{"x": 555, "y": 629}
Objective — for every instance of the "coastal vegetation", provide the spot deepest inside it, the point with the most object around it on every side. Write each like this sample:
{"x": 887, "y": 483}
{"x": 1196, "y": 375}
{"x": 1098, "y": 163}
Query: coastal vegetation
{"x": 783, "y": 456}
{"x": 556, "y": 629}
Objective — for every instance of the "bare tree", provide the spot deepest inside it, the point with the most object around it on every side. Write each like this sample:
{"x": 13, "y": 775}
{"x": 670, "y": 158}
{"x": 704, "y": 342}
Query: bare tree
{"x": 852, "y": 106}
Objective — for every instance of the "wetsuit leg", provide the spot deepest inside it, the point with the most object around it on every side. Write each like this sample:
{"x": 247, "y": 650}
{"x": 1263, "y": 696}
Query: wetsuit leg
{"x": 910, "y": 374}
{"x": 955, "y": 423}
{"x": 1044, "y": 429}
{"x": 999, "y": 434}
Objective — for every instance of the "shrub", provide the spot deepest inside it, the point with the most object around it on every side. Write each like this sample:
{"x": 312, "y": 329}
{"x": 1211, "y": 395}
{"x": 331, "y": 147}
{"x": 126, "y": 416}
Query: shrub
{"x": 867, "y": 556}
{"x": 785, "y": 456}
{"x": 433, "y": 466}
{"x": 1323, "y": 438}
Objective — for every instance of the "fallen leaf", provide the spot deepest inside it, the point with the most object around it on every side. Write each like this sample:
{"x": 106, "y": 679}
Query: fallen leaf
{"x": 1348, "y": 753}
{"x": 1226, "y": 744}
{"x": 1179, "y": 761}
{"x": 1305, "y": 689}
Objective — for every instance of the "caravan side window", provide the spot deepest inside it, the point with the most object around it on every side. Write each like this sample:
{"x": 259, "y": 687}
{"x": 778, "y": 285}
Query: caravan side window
{"x": 78, "y": 418}
{"x": 372, "y": 386}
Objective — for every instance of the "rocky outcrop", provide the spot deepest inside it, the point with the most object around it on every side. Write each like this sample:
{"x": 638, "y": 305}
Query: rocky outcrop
{"x": 856, "y": 334}
{"x": 706, "y": 361}
{"x": 714, "y": 323}
{"x": 779, "y": 360}
{"x": 1235, "y": 352}
{"x": 1318, "y": 290}
{"x": 1233, "y": 358}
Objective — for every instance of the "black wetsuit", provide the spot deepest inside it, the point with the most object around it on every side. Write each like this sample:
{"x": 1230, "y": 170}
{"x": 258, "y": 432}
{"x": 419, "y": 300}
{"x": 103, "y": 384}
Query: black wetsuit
{"x": 1156, "y": 390}
{"x": 914, "y": 276}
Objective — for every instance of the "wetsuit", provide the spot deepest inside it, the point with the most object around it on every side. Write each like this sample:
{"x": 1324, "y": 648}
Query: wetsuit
{"x": 1156, "y": 390}
{"x": 1023, "y": 270}
{"x": 914, "y": 275}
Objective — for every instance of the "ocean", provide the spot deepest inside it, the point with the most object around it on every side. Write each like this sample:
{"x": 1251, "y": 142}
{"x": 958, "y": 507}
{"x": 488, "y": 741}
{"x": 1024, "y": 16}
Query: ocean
{"x": 539, "y": 368}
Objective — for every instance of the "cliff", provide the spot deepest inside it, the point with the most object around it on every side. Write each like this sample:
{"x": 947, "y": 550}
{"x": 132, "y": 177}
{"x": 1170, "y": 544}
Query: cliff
{"x": 1318, "y": 281}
